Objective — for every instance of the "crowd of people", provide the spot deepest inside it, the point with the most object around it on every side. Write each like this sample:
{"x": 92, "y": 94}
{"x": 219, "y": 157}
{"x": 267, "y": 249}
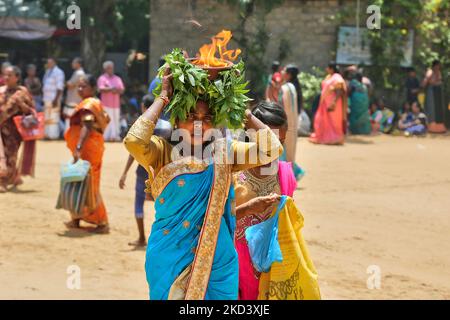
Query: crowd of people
{"x": 347, "y": 104}
{"x": 207, "y": 241}
{"x": 57, "y": 95}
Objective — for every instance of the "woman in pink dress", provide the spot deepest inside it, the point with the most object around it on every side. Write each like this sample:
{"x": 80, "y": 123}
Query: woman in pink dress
{"x": 331, "y": 118}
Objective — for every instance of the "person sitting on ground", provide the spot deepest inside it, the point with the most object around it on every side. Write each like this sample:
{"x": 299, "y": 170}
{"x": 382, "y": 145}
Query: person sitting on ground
{"x": 406, "y": 107}
{"x": 375, "y": 117}
{"x": 413, "y": 122}
{"x": 382, "y": 117}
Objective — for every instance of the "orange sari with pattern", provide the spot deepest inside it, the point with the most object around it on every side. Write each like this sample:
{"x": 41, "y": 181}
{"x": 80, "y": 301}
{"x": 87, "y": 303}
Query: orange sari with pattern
{"x": 90, "y": 109}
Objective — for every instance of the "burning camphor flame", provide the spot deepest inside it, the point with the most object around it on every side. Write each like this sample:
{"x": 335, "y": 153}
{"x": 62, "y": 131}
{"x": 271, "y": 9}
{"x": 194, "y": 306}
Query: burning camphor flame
{"x": 207, "y": 53}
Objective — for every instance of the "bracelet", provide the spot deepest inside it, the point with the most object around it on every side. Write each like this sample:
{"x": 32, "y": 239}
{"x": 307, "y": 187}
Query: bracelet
{"x": 165, "y": 100}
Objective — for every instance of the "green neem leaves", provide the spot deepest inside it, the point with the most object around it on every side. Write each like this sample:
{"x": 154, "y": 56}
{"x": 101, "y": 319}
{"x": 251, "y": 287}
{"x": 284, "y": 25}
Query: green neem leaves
{"x": 226, "y": 95}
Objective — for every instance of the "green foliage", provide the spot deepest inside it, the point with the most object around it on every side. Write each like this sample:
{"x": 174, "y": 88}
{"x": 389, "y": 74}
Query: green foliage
{"x": 434, "y": 31}
{"x": 284, "y": 49}
{"x": 125, "y": 23}
{"x": 428, "y": 19}
{"x": 311, "y": 85}
{"x": 226, "y": 95}
{"x": 254, "y": 44}
{"x": 386, "y": 44}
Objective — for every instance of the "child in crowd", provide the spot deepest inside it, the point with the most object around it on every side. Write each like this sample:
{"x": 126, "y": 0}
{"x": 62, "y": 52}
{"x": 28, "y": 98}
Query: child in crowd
{"x": 163, "y": 129}
{"x": 375, "y": 117}
{"x": 414, "y": 121}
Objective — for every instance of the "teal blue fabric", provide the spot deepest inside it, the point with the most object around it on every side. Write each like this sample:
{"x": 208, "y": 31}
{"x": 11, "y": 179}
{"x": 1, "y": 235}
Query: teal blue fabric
{"x": 262, "y": 239}
{"x": 299, "y": 173}
{"x": 172, "y": 242}
{"x": 74, "y": 172}
{"x": 359, "y": 109}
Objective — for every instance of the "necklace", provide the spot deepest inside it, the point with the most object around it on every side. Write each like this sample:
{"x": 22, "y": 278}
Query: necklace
{"x": 263, "y": 186}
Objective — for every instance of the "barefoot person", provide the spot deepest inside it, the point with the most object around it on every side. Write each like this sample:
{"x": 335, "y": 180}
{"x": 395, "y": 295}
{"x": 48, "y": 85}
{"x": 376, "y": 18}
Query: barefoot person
{"x": 14, "y": 100}
{"x": 139, "y": 199}
{"x": 85, "y": 140}
{"x": 258, "y": 192}
{"x": 141, "y": 177}
{"x": 190, "y": 251}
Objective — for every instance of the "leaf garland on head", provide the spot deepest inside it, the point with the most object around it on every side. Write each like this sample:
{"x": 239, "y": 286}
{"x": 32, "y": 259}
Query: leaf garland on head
{"x": 226, "y": 95}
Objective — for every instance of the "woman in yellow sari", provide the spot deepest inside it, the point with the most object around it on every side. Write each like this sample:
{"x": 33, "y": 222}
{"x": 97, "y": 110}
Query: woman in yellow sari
{"x": 190, "y": 251}
{"x": 262, "y": 193}
{"x": 85, "y": 140}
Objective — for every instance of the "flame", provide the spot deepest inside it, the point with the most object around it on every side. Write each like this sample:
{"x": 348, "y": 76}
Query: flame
{"x": 207, "y": 53}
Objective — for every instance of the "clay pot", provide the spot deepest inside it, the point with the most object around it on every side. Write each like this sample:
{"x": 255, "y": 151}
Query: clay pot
{"x": 213, "y": 72}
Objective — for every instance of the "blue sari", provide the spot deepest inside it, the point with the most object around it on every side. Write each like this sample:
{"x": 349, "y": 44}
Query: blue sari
{"x": 173, "y": 247}
{"x": 190, "y": 252}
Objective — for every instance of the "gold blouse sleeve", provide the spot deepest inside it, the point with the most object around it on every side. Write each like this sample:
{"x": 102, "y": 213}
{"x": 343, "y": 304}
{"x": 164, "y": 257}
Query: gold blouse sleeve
{"x": 264, "y": 148}
{"x": 151, "y": 152}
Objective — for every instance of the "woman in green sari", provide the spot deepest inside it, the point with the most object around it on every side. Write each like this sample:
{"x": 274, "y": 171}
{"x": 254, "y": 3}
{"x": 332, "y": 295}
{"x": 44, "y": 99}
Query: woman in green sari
{"x": 359, "y": 107}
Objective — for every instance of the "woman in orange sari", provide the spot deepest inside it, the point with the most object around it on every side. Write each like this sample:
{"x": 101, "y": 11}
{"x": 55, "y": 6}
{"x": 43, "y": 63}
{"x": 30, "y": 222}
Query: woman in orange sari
{"x": 85, "y": 140}
{"x": 331, "y": 118}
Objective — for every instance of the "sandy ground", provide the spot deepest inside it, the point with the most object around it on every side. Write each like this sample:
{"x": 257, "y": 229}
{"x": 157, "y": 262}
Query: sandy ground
{"x": 378, "y": 201}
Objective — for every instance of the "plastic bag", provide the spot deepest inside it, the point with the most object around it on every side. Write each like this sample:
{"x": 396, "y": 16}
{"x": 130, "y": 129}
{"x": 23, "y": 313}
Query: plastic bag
{"x": 262, "y": 239}
{"x": 74, "y": 172}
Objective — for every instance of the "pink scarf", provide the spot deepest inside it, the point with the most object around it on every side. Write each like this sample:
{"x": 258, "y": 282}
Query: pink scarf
{"x": 288, "y": 183}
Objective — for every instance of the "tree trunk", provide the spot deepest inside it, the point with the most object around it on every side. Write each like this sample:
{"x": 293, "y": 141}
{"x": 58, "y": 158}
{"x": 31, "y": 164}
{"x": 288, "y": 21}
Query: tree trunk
{"x": 93, "y": 47}
{"x": 93, "y": 39}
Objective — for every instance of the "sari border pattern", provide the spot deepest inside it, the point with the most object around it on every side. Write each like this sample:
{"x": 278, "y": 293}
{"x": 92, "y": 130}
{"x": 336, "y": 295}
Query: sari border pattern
{"x": 172, "y": 170}
{"x": 204, "y": 256}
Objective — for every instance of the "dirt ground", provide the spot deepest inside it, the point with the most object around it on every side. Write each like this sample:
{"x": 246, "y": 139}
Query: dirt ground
{"x": 377, "y": 203}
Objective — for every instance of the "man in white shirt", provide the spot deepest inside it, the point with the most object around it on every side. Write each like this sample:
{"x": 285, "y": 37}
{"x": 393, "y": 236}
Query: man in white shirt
{"x": 72, "y": 97}
{"x": 53, "y": 86}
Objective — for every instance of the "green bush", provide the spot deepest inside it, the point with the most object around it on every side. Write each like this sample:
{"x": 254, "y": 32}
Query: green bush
{"x": 311, "y": 85}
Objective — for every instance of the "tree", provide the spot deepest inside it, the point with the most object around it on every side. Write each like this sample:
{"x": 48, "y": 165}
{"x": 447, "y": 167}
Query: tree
{"x": 104, "y": 24}
{"x": 429, "y": 22}
{"x": 254, "y": 44}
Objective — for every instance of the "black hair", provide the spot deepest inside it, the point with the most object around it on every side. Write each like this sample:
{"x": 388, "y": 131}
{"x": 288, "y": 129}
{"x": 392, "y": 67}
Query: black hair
{"x": 403, "y": 108}
{"x": 275, "y": 66}
{"x": 270, "y": 113}
{"x": 147, "y": 100}
{"x": 418, "y": 104}
{"x": 91, "y": 80}
{"x": 359, "y": 76}
{"x": 435, "y": 63}
{"x": 292, "y": 69}
{"x": 333, "y": 65}
{"x": 411, "y": 69}
{"x": 161, "y": 61}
